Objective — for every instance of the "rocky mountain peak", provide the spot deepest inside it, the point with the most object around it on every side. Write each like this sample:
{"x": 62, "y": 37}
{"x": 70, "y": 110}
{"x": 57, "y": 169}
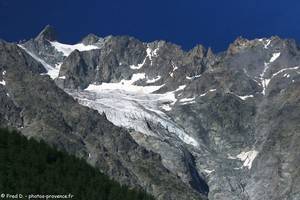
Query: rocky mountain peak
{"x": 238, "y": 44}
{"x": 199, "y": 51}
{"x": 90, "y": 39}
{"x": 240, "y": 41}
{"x": 210, "y": 54}
{"x": 48, "y": 33}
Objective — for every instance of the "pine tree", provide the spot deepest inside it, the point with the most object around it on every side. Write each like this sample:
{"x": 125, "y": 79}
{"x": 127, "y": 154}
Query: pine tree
{"x": 32, "y": 167}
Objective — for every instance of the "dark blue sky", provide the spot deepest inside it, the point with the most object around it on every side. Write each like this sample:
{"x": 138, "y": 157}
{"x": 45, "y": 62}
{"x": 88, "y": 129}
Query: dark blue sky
{"x": 214, "y": 23}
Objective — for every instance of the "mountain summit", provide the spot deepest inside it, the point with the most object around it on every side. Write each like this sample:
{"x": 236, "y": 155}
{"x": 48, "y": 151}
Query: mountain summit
{"x": 48, "y": 33}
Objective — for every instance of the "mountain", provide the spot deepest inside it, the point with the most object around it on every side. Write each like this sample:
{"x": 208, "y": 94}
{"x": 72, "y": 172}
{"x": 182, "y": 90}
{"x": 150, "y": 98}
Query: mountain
{"x": 33, "y": 104}
{"x": 180, "y": 124}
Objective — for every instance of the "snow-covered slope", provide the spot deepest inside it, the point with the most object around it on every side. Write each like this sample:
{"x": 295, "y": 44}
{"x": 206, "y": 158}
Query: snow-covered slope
{"x": 52, "y": 71}
{"x": 131, "y": 106}
{"x": 67, "y": 49}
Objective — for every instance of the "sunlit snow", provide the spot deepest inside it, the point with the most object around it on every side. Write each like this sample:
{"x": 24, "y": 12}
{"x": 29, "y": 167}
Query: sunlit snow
{"x": 51, "y": 71}
{"x": 265, "y": 81}
{"x": 132, "y": 106}
{"x": 245, "y": 97}
{"x": 3, "y": 81}
{"x": 125, "y": 85}
{"x": 205, "y": 93}
{"x": 274, "y": 57}
{"x": 166, "y": 107}
{"x": 150, "y": 54}
{"x": 181, "y": 87}
{"x": 62, "y": 77}
{"x": 184, "y": 100}
{"x": 193, "y": 77}
{"x": 133, "y": 110}
{"x": 285, "y": 69}
{"x": 67, "y": 49}
{"x": 139, "y": 66}
{"x": 153, "y": 80}
{"x": 267, "y": 43}
{"x": 208, "y": 171}
{"x": 247, "y": 158}
{"x": 174, "y": 66}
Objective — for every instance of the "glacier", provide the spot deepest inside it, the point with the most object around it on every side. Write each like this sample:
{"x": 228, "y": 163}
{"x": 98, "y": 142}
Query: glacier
{"x": 133, "y": 107}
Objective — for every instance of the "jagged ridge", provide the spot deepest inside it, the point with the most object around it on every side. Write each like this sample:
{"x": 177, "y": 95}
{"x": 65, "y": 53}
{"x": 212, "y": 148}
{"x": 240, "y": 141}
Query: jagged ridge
{"x": 213, "y": 118}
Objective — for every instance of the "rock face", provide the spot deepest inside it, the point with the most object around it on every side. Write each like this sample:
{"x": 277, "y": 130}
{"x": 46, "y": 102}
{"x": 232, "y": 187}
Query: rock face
{"x": 182, "y": 125}
{"x": 38, "y": 108}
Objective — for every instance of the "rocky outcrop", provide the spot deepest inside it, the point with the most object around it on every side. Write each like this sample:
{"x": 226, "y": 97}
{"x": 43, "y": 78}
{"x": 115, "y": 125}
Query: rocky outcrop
{"x": 48, "y": 33}
{"x": 39, "y": 109}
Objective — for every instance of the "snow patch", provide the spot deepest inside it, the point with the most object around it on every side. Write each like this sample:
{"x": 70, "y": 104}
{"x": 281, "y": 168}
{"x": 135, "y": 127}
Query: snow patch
{"x": 267, "y": 43}
{"x": 3, "y": 73}
{"x": 245, "y": 97}
{"x": 153, "y": 80}
{"x": 193, "y": 77}
{"x": 139, "y": 66}
{"x": 125, "y": 85}
{"x": 242, "y": 97}
{"x": 285, "y": 69}
{"x": 62, "y": 77}
{"x": 205, "y": 93}
{"x": 166, "y": 107}
{"x": 188, "y": 102}
{"x": 247, "y": 158}
{"x": 274, "y": 57}
{"x": 181, "y": 87}
{"x": 187, "y": 99}
{"x": 150, "y": 54}
{"x": 174, "y": 66}
{"x": 51, "y": 71}
{"x": 67, "y": 49}
{"x": 208, "y": 171}
{"x": 2, "y": 82}
{"x": 265, "y": 82}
